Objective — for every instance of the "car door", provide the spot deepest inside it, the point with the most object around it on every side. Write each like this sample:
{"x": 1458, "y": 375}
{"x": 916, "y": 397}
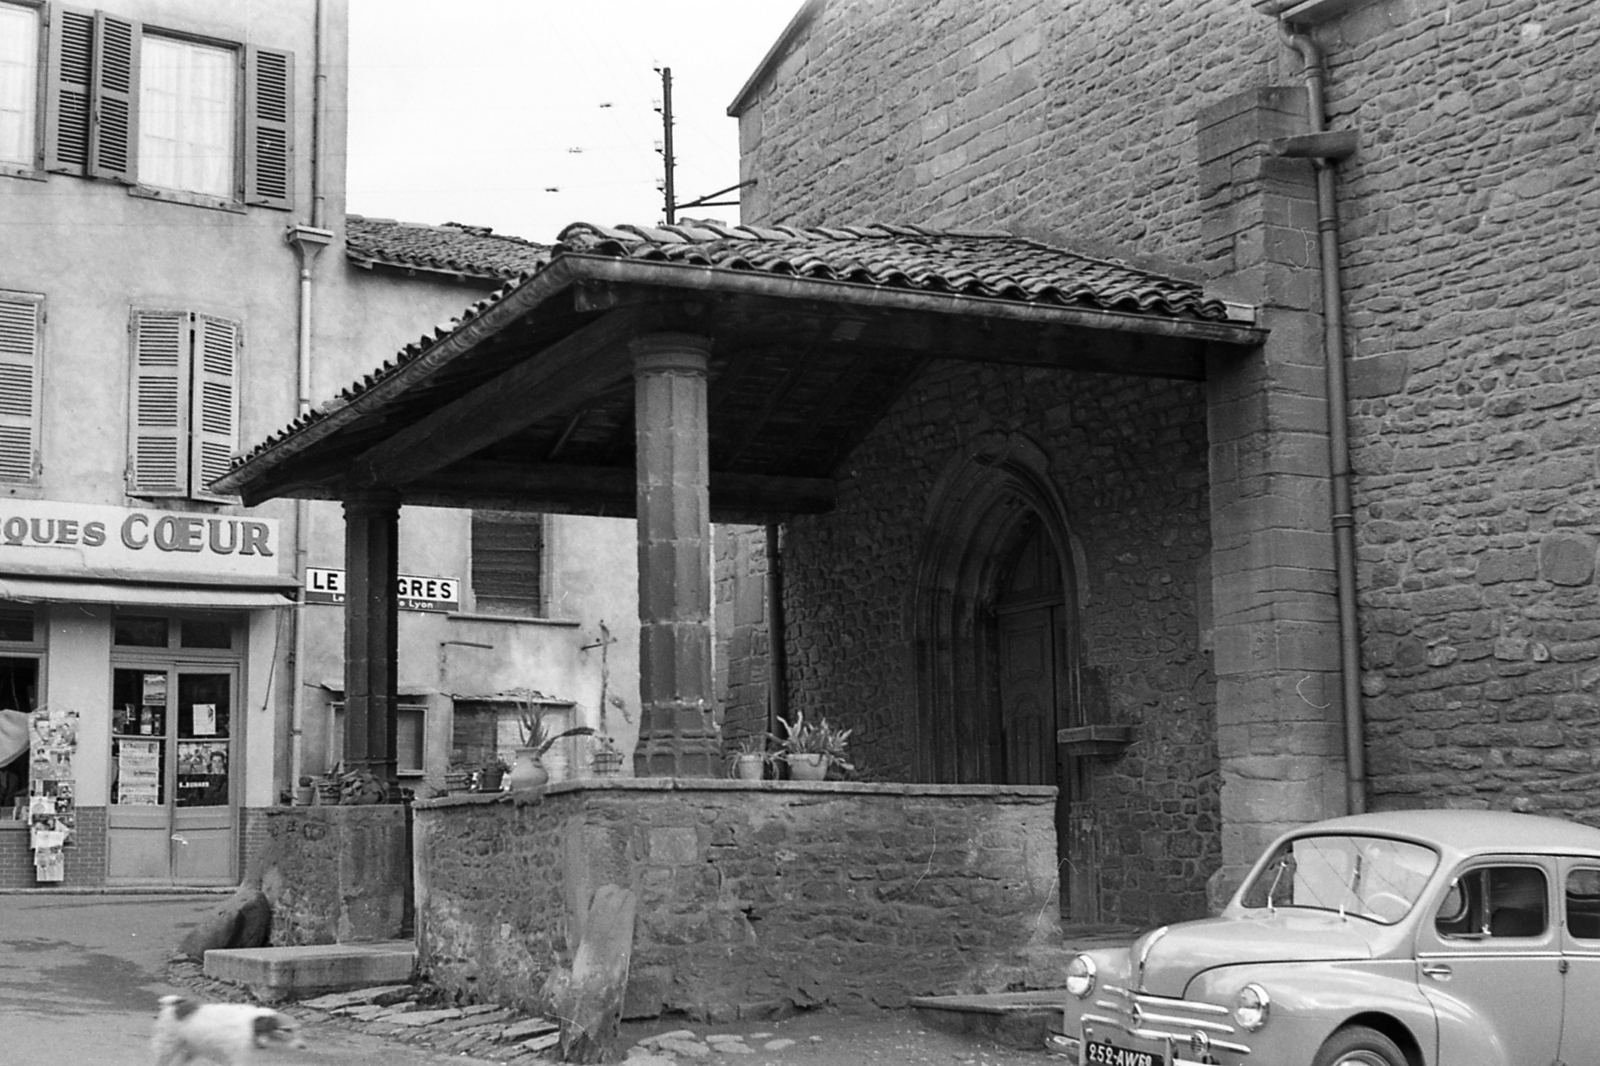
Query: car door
{"x": 1490, "y": 963}
{"x": 1580, "y": 947}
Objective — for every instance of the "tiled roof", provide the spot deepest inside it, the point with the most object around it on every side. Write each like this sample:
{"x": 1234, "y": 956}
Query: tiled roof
{"x": 907, "y": 258}
{"x": 453, "y": 248}
{"x": 996, "y": 265}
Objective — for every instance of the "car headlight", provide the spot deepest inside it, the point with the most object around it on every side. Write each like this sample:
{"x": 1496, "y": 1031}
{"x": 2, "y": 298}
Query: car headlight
{"x": 1252, "y": 1007}
{"x": 1080, "y": 976}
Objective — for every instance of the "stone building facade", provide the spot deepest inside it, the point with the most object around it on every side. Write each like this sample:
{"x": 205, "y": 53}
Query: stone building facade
{"x": 1207, "y": 614}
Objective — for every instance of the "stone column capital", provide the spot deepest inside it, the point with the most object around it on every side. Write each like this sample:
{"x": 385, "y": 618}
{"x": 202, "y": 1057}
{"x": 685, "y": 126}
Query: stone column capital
{"x": 670, "y": 353}
{"x": 370, "y": 502}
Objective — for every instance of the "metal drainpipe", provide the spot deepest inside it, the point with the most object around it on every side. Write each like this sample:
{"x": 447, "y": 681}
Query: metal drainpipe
{"x": 1338, "y": 431}
{"x": 307, "y": 242}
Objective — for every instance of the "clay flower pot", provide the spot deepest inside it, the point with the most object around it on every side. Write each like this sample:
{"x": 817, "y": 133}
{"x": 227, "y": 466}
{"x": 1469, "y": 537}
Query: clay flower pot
{"x": 528, "y": 771}
{"x": 807, "y": 766}
{"x": 749, "y": 767}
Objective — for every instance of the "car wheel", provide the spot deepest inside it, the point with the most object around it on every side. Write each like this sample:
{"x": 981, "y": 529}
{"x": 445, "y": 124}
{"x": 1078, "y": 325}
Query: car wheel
{"x": 1356, "y": 1045}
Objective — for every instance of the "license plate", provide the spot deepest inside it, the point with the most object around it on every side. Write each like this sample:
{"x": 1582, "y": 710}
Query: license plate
{"x": 1099, "y": 1053}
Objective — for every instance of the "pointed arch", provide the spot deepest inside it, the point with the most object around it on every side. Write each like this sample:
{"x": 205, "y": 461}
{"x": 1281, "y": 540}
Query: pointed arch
{"x": 978, "y": 514}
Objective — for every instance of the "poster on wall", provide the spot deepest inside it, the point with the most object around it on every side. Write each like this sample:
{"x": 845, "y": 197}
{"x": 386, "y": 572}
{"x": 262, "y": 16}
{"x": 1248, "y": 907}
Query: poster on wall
{"x": 139, "y": 772}
{"x": 52, "y": 819}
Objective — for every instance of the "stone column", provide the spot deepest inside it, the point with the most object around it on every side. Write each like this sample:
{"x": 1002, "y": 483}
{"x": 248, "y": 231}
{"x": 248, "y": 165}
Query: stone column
{"x": 371, "y": 626}
{"x": 1279, "y": 720}
{"x": 678, "y": 735}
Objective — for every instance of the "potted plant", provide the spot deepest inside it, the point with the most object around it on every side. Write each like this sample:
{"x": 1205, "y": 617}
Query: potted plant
{"x": 810, "y": 749}
{"x": 607, "y": 758}
{"x": 748, "y": 760}
{"x": 528, "y": 771}
{"x": 491, "y": 774}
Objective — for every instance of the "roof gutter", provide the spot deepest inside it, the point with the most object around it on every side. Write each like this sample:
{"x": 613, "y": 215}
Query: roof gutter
{"x": 1325, "y": 149}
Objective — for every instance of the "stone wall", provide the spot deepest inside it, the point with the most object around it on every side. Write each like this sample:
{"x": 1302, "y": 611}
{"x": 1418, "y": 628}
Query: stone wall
{"x": 1470, "y": 218}
{"x": 752, "y": 898}
{"x": 335, "y": 874}
{"x": 1129, "y": 457}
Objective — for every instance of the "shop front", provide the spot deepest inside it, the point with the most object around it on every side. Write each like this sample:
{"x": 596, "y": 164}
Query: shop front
{"x": 133, "y": 683}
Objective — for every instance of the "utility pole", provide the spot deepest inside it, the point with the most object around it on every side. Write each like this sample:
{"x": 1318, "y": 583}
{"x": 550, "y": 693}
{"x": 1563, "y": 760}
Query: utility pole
{"x": 666, "y": 145}
{"x": 670, "y": 161}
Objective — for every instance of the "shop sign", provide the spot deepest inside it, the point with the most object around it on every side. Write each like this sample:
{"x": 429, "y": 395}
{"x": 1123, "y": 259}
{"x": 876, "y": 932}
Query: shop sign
{"x": 441, "y": 594}
{"x": 77, "y": 536}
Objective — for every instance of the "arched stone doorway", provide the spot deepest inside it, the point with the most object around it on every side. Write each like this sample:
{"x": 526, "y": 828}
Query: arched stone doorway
{"x": 996, "y": 637}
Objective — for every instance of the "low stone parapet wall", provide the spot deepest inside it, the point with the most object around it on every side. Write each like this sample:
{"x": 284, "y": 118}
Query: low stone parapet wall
{"x": 334, "y": 874}
{"x": 752, "y": 897}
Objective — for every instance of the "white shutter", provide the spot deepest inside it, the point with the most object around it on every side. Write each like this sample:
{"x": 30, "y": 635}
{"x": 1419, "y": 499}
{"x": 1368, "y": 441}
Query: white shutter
{"x": 215, "y": 418}
{"x": 158, "y": 453}
{"x": 20, "y": 330}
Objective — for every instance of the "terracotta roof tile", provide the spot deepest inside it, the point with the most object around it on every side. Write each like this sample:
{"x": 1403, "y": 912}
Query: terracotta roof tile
{"x": 995, "y": 265}
{"x": 453, "y": 248}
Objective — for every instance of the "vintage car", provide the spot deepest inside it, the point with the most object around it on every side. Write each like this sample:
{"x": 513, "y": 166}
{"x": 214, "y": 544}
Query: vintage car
{"x": 1457, "y": 938}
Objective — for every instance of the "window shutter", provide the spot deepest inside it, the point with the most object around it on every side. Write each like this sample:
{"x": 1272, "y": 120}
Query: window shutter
{"x": 158, "y": 457}
{"x": 113, "y": 130}
{"x": 215, "y": 418}
{"x": 508, "y": 562}
{"x": 19, "y": 386}
{"x": 269, "y": 133}
{"x": 67, "y": 91}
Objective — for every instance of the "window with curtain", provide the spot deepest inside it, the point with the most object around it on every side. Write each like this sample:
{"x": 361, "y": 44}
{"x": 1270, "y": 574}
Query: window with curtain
{"x": 19, "y": 83}
{"x": 186, "y": 116}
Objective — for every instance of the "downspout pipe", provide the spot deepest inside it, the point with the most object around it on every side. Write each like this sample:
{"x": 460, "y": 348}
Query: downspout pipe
{"x": 307, "y": 241}
{"x": 1325, "y": 149}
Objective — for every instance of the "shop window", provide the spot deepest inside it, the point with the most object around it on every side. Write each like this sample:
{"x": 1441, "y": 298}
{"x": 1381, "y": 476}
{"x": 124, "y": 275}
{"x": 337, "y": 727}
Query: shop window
{"x": 21, "y": 335}
{"x": 160, "y": 111}
{"x": 185, "y": 418}
{"x": 19, "y": 697}
{"x": 508, "y": 563}
{"x": 19, "y": 85}
{"x": 410, "y": 736}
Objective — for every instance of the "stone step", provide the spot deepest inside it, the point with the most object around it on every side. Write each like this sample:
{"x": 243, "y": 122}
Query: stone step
{"x": 1014, "y": 1019}
{"x": 315, "y": 969}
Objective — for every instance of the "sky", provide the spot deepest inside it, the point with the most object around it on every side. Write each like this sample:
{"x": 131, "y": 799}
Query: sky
{"x": 528, "y": 115}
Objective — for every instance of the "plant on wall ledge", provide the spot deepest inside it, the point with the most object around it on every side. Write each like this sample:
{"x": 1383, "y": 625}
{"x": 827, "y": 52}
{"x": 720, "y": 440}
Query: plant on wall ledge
{"x": 538, "y": 734}
{"x": 811, "y": 748}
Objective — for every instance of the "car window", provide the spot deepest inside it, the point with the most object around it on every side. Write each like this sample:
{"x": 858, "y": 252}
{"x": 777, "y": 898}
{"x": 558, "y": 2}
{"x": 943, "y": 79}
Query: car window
{"x": 1369, "y": 877}
{"x": 1583, "y": 904}
{"x": 1493, "y": 902}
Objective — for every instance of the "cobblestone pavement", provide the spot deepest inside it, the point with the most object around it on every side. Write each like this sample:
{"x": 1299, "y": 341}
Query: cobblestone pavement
{"x": 484, "y": 1034}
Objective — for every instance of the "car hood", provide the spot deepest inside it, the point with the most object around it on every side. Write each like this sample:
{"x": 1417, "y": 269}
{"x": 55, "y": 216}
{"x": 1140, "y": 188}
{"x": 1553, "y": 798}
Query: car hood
{"x": 1188, "y": 949}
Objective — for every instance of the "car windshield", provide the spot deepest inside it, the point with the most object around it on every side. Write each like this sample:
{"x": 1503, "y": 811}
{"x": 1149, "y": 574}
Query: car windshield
{"x": 1369, "y": 877}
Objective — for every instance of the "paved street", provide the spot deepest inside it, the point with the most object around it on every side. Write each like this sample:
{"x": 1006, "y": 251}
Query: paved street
{"x": 80, "y": 975}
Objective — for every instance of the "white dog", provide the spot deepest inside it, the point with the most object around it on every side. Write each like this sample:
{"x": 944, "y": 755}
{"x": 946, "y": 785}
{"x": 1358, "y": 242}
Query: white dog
{"x": 223, "y": 1033}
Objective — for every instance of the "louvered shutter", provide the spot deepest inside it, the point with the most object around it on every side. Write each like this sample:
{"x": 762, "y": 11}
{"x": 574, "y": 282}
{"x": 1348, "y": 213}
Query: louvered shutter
{"x": 114, "y": 128}
{"x": 268, "y": 129}
{"x": 67, "y": 93}
{"x": 158, "y": 453}
{"x": 215, "y": 418}
{"x": 19, "y": 385}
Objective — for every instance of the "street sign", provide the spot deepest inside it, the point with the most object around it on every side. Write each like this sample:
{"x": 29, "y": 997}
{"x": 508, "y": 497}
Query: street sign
{"x": 436, "y": 594}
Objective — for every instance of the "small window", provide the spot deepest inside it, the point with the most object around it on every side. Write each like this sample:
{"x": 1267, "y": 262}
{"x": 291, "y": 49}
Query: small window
{"x": 1583, "y": 904}
{"x": 205, "y": 633}
{"x": 139, "y": 631}
{"x": 186, "y": 116}
{"x": 508, "y": 563}
{"x": 19, "y": 84}
{"x": 410, "y": 737}
{"x": 1495, "y": 902}
{"x": 16, "y": 625}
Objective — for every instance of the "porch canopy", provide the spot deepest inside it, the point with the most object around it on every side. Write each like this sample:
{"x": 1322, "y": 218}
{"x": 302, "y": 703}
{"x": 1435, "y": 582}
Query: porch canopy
{"x": 683, "y": 375}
